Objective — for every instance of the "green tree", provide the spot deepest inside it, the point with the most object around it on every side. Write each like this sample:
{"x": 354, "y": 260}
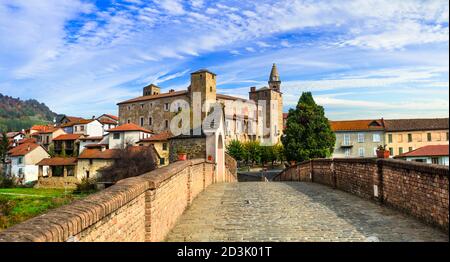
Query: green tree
{"x": 4, "y": 145}
{"x": 253, "y": 152}
{"x": 51, "y": 150}
{"x": 63, "y": 150}
{"x": 308, "y": 133}
{"x": 235, "y": 149}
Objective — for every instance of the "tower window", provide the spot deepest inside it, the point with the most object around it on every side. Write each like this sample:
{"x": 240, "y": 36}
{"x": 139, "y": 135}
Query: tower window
{"x": 150, "y": 121}
{"x": 210, "y": 89}
{"x": 167, "y": 123}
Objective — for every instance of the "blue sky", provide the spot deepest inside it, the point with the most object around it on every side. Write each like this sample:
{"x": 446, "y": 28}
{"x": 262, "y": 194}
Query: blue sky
{"x": 360, "y": 58}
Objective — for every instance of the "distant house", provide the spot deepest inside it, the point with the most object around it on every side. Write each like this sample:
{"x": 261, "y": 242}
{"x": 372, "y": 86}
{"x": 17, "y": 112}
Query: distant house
{"x": 108, "y": 121}
{"x": 161, "y": 145}
{"x": 405, "y": 135}
{"x": 45, "y": 137}
{"x": 14, "y": 138}
{"x": 93, "y": 142}
{"x": 57, "y": 172}
{"x": 357, "y": 138}
{"x": 63, "y": 119}
{"x": 127, "y": 134}
{"x": 70, "y": 143}
{"x": 91, "y": 160}
{"x": 23, "y": 160}
{"x": 432, "y": 154}
{"x": 88, "y": 127}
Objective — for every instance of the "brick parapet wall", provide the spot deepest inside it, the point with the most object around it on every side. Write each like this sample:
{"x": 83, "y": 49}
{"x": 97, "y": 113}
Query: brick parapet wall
{"x": 142, "y": 208}
{"x": 418, "y": 189}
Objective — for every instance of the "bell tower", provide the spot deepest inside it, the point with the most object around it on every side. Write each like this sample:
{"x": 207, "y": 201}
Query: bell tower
{"x": 274, "y": 79}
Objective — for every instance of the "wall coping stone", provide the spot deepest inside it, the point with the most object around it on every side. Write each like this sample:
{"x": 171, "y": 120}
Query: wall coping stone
{"x": 416, "y": 166}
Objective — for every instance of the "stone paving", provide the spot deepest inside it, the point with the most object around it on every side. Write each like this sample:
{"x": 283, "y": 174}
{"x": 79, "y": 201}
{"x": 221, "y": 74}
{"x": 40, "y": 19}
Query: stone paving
{"x": 293, "y": 211}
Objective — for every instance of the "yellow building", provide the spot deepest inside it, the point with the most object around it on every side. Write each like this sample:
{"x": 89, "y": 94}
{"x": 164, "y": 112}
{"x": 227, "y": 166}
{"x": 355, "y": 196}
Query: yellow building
{"x": 161, "y": 144}
{"x": 404, "y": 135}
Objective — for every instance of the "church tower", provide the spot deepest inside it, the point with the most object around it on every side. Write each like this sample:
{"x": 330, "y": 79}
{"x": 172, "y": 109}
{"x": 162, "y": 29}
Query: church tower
{"x": 274, "y": 79}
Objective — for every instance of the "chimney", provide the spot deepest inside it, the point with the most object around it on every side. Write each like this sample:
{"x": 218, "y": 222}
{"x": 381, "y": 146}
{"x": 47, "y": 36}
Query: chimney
{"x": 253, "y": 89}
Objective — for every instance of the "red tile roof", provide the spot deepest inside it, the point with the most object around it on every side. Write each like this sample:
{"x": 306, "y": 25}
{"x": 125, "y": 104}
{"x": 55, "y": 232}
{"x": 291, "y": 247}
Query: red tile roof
{"x": 96, "y": 145}
{"x": 48, "y": 130}
{"x": 431, "y": 150}
{"x": 67, "y": 137}
{"x": 129, "y": 127}
{"x": 107, "y": 121}
{"x": 41, "y": 128}
{"x": 107, "y": 153}
{"x": 28, "y": 140}
{"x": 91, "y": 138}
{"x": 74, "y": 118}
{"x": 357, "y": 125}
{"x": 23, "y": 149}
{"x": 163, "y": 136}
{"x": 112, "y": 116}
{"x": 58, "y": 161}
{"x": 416, "y": 124}
{"x": 77, "y": 122}
{"x": 146, "y": 98}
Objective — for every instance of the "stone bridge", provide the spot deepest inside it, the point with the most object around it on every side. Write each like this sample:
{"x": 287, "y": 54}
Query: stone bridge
{"x": 319, "y": 200}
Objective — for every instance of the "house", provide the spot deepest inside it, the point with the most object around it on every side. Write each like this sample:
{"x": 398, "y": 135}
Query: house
{"x": 45, "y": 137}
{"x": 108, "y": 121}
{"x": 431, "y": 154}
{"x": 406, "y": 135}
{"x": 93, "y": 142}
{"x": 23, "y": 160}
{"x": 57, "y": 172}
{"x": 126, "y": 135}
{"x": 69, "y": 143}
{"x": 357, "y": 138}
{"x": 14, "y": 138}
{"x": 63, "y": 119}
{"x": 88, "y": 127}
{"x": 92, "y": 160}
{"x": 161, "y": 144}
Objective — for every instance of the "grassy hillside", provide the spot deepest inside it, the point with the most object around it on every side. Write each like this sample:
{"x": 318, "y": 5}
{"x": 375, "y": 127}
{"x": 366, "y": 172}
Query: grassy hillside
{"x": 16, "y": 114}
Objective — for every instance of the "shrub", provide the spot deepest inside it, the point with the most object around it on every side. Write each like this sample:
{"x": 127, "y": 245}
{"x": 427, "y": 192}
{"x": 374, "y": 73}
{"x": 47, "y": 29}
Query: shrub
{"x": 86, "y": 186}
{"x": 8, "y": 182}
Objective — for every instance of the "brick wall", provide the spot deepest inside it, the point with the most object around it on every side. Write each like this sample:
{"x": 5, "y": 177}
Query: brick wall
{"x": 418, "y": 189}
{"x": 142, "y": 208}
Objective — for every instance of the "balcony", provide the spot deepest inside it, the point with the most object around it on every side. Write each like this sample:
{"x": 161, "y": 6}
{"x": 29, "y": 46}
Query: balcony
{"x": 346, "y": 144}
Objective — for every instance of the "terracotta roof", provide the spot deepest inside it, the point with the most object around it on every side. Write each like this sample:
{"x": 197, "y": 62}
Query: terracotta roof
{"x": 357, "y": 125}
{"x": 28, "y": 140}
{"x": 98, "y": 154}
{"x": 23, "y": 149}
{"x": 95, "y": 145}
{"x": 74, "y": 118}
{"x": 77, "y": 122}
{"x": 129, "y": 127}
{"x": 158, "y": 137}
{"x": 431, "y": 150}
{"x": 48, "y": 130}
{"x": 107, "y": 153}
{"x": 227, "y": 97}
{"x": 146, "y": 98}
{"x": 111, "y": 116}
{"x": 58, "y": 161}
{"x": 67, "y": 137}
{"x": 203, "y": 70}
{"x": 107, "y": 121}
{"x": 91, "y": 138}
{"x": 416, "y": 124}
{"x": 41, "y": 128}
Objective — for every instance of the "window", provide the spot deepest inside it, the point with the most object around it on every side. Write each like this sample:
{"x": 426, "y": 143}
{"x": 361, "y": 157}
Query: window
{"x": 376, "y": 138}
{"x": 116, "y": 136}
{"x": 360, "y": 137}
{"x": 410, "y": 149}
{"x": 87, "y": 174}
{"x": 142, "y": 121}
{"x": 20, "y": 171}
{"x": 150, "y": 121}
{"x": 390, "y": 138}
{"x": 91, "y": 161}
{"x": 400, "y": 138}
{"x": 347, "y": 152}
{"x": 346, "y": 139}
{"x": 142, "y": 106}
{"x": 151, "y": 105}
{"x": 409, "y": 137}
{"x": 129, "y": 121}
{"x": 210, "y": 89}
{"x": 166, "y": 107}
{"x": 164, "y": 146}
{"x": 81, "y": 128}
{"x": 162, "y": 161}
{"x": 400, "y": 150}
{"x": 129, "y": 108}
{"x": 167, "y": 123}
{"x": 435, "y": 160}
{"x": 391, "y": 151}
{"x": 361, "y": 151}
{"x": 428, "y": 137}
{"x": 20, "y": 160}
{"x": 76, "y": 129}
{"x": 374, "y": 151}
{"x": 446, "y": 135}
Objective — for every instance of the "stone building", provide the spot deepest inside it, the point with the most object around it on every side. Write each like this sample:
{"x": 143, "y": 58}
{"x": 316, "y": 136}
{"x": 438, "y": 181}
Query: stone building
{"x": 243, "y": 118}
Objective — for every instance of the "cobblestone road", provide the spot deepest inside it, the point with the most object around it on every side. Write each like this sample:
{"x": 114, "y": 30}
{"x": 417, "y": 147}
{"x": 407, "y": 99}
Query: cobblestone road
{"x": 293, "y": 211}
